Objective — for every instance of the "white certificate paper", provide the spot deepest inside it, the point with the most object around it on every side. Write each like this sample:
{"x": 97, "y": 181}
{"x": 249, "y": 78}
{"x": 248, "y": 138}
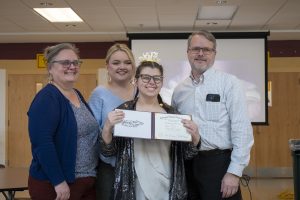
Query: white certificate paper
{"x": 170, "y": 127}
{"x": 150, "y": 125}
{"x": 135, "y": 124}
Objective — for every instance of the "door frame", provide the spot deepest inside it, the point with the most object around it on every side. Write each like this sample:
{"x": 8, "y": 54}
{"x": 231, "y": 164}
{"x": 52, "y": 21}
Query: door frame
{"x": 3, "y": 117}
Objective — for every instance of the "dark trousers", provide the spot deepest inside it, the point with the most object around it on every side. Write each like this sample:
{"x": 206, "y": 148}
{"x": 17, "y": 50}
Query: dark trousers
{"x": 81, "y": 189}
{"x": 204, "y": 175}
{"x": 105, "y": 181}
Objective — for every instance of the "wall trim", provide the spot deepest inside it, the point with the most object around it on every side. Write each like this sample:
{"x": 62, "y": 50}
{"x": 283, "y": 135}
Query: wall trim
{"x": 97, "y": 50}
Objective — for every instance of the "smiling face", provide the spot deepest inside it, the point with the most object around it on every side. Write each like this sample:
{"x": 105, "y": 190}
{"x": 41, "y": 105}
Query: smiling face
{"x": 63, "y": 72}
{"x": 201, "y": 54}
{"x": 149, "y": 82}
{"x": 120, "y": 67}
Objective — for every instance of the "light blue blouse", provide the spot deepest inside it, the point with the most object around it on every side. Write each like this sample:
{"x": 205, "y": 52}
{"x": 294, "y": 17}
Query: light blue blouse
{"x": 102, "y": 101}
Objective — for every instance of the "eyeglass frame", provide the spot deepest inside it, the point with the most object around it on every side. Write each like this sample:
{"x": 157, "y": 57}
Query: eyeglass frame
{"x": 205, "y": 50}
{"x": 160, "y": 78}
{"x": 67, "y": 63}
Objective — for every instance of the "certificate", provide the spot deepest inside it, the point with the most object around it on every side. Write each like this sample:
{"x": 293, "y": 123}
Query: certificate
{"x": 151, "y": 125}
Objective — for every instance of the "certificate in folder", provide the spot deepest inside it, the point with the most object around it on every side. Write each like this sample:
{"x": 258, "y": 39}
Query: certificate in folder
{"x": 151, "y": 125}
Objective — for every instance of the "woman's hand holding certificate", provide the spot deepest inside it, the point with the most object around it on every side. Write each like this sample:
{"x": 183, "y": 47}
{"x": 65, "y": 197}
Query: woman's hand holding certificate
{"x": 113, "y": 118}
{"x": 151, "y": 125}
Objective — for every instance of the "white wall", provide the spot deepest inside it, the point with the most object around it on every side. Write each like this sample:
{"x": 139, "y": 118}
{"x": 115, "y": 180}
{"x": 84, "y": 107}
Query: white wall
{"x": 2, "y": 116}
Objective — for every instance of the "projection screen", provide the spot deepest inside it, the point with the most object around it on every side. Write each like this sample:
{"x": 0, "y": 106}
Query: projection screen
{"x": 241, "y": 54}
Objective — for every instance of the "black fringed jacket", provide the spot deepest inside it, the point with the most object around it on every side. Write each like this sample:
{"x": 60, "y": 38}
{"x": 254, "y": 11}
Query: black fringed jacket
{"x": 122, "y": 148}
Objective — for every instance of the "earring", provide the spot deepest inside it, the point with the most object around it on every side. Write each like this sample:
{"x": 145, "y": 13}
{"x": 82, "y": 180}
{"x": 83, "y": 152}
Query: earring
{"x": 132, "y": 81}
{"x": 50, "y": 78}
{"x": 108, "y": 77}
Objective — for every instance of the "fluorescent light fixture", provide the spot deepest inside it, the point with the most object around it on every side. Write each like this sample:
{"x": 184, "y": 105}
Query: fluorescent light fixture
{"x": 59, "y": 14}
{"x": 216, "y": 12}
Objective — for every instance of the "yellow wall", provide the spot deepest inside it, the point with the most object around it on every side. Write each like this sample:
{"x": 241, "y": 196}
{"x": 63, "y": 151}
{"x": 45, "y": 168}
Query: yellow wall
{"x": 286, "y": 64}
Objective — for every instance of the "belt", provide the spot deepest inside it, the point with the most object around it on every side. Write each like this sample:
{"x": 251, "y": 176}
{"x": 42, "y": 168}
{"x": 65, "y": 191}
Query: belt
{"x": 214, "y": 152}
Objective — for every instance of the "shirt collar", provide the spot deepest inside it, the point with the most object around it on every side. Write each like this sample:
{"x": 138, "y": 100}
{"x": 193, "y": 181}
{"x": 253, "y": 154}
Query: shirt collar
{"x": 204, "y": 77}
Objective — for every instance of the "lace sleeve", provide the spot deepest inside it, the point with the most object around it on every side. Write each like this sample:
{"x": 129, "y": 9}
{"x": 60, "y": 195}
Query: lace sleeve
{"x": 108, "y": 150}
{"x": 190, "y": 150}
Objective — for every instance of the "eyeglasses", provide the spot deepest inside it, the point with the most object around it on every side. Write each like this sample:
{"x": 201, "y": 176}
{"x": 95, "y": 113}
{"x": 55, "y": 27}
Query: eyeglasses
{"x": 67, "y": 63}
{"x": 147, "y": 78}
{"x": 205, "y": 50}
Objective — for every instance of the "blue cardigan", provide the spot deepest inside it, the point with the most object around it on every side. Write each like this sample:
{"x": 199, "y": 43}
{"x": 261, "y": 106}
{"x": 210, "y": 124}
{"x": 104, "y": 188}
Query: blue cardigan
{"x": 53, "y": 135}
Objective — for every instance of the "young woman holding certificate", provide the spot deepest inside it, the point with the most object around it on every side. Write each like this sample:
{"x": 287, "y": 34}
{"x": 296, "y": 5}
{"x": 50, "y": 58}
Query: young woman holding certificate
{"x": 148, "y": 169}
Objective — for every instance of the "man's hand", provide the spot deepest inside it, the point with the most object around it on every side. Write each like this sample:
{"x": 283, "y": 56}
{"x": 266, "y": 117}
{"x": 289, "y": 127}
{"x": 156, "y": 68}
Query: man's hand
{"x": 62, "y": 191}
{"x": 192, "y": 129}
{"x": 230, "y": 185}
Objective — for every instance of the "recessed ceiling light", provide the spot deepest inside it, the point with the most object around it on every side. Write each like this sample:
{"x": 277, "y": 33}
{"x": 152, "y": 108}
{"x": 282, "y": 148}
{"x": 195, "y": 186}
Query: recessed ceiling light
{"x": 216, "y": 12}
{"x": 59, "y": 14}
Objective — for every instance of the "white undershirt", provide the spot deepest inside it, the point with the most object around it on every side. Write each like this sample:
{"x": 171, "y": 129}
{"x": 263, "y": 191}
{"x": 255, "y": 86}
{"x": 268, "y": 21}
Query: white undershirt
{"x": 153, "y": 169}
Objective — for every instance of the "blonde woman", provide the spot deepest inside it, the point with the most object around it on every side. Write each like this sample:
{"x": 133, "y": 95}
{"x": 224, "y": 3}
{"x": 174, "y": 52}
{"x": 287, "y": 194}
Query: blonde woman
{"x": 120, "y": 66}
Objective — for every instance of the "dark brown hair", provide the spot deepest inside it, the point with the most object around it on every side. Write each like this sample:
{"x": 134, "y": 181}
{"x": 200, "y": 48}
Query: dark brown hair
{"x": 151, "y": 64}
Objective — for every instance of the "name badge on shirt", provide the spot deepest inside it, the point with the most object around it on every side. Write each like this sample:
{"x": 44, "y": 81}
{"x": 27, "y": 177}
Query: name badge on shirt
{"x": 213, "y": 97}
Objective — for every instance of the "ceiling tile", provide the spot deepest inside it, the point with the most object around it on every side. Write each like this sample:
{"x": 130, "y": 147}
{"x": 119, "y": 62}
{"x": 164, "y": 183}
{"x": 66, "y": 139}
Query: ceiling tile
{"x": 175, "y": 20}
{"x": 255, "y": 13}
{"x": 216, "y": 12}
{"x": 135, "y": 17}
{"x": 7, "y": 26}
{"x": 288, "y": 17}
{"x": 212, "y": 24}
{"x": 133, "y": 3}
{"x": 72, "y": 27}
